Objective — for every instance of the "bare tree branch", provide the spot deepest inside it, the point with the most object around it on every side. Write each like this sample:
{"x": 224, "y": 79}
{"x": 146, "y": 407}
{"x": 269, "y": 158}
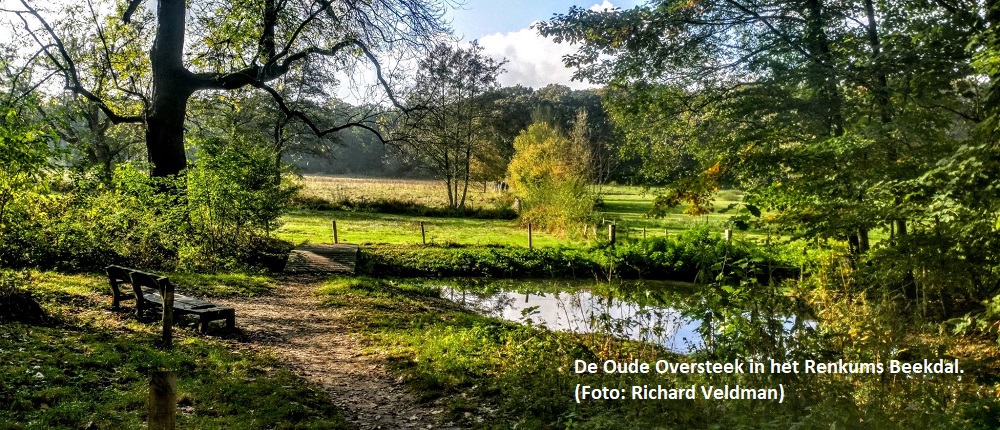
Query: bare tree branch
{"x": 293, "y": 113}
{"x": 69, "y": 68}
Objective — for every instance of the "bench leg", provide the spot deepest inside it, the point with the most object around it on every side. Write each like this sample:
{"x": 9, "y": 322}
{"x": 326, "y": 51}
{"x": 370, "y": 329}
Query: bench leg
{"x": 231, "y": 322}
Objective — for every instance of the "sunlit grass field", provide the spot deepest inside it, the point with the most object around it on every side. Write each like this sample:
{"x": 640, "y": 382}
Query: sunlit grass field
{"x": 624, "y": 205}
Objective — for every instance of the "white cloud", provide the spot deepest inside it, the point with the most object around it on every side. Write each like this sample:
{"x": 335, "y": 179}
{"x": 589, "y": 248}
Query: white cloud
{"x": 605, "y": 5}
{"x": 533, "y": 60}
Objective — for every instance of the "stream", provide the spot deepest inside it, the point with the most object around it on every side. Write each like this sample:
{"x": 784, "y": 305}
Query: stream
{"x": 647, "y": 312}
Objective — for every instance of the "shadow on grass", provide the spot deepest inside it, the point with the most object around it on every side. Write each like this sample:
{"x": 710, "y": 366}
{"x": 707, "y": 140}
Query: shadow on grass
{"x": 91, "y": 370}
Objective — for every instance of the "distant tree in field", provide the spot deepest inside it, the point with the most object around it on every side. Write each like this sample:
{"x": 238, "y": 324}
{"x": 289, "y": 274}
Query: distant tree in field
{"x": 451, "y": 132}
{"x": 550, "y": 173}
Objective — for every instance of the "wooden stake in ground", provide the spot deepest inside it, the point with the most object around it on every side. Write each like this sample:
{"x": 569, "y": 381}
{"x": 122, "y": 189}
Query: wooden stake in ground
{"x": 530, "y": 245}
{"x": 423, "y": 234}
{"x": 162, "y": 400}
{"x": 729, "y": 235}
{"x": 335, "y": 240}
{"x": 167, "y": 297}
{"x": 611, "y": 233}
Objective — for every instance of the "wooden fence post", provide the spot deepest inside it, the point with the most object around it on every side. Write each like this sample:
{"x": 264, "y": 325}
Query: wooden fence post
{"x": 423, "y": 233}
{"x": 530, "y": 244}
{"x": 729, "y": 235}
{"x": 162, "y": 400}
{"x": 335, "y": 239}
{"x": 167, "y": 297}
{"x": 644, "y": 233}
{"x": 611, "y": 233}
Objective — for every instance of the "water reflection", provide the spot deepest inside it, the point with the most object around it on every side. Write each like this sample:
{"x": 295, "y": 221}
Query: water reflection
{"x": 580, "y": 310}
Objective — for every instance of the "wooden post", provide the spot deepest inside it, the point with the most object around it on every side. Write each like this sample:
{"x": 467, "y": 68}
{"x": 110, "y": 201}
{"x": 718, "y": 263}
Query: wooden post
{"x": 167, "y": 297}
{"x": 162, "y": 400}
{"x": 423, "y": 233}
{"x": 644, "y": 233}
{"x": 335, "y": 239}
{"x": 666, "y": 232}
{"x": 530, "y": 244}
{"x": 595, "y": 232}
{"x": 729, "y": 235}
{"x": 611, "y": 233}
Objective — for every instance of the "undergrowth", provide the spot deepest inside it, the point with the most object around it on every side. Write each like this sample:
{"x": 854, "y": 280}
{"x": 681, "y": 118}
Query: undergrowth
{"x": 678, "y": 258}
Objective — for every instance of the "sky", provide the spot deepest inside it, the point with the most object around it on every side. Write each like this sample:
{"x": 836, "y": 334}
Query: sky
{"x": 503, "y": 30}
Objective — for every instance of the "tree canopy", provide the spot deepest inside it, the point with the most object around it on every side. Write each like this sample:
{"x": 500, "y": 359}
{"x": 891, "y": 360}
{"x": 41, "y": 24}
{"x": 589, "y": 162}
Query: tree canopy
{"x": 222, "y": 46}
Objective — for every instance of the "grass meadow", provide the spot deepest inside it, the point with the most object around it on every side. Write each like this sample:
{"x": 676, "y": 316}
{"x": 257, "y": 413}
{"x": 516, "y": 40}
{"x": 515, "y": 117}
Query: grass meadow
{"x": 624, "y": 205}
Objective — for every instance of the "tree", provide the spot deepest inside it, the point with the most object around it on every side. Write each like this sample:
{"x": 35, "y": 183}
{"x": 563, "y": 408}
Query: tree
{"x": 450, "y": 133}
{"x": 821, "y": 110}
{"x": 551, "y": 173}
{"x": 238, "y": 44}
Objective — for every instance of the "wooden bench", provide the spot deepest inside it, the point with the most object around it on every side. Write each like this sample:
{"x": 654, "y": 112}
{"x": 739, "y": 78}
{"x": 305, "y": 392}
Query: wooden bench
{"x": 148, "y": 290}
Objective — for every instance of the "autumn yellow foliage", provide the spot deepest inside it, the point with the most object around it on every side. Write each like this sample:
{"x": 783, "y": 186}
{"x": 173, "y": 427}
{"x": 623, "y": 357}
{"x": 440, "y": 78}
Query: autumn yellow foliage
{"x": 550, "y": 174}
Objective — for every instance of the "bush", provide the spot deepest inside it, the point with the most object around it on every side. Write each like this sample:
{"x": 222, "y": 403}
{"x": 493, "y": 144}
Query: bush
{"x": 500, "y": 262}
{"x": 17, "y": 303}
{"x": 692, "y": 257}
{"x": 550, "y": 174}
{"x": 401, "y": 207}
{"x": 235, "y": 195}
{"x": 140, "y": 221}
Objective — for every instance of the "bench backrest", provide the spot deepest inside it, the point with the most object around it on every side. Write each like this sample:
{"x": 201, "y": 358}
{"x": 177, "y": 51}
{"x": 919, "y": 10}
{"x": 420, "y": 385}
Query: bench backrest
{"x": 143, "y": 279}
{"x": 118, "y": 275}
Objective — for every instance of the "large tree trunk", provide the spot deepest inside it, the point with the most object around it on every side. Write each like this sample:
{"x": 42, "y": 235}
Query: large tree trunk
{"x": 172, "y": 86}
{"x": 830, "y": 98}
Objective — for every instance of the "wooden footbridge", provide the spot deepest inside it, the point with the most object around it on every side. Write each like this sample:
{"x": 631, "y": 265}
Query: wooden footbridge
{"x": 323, "y": 258}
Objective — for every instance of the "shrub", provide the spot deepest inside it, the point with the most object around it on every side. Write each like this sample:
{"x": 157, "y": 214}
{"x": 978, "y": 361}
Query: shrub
{"x": 500, "y": 262}
{"x": 692, "y": 257}
{"x": 17, "y": 303}
{"x": 205, "y": 224}
{"x": 235, "y": 195}
{"x": 402, "y": 207}
{"x": 550, "y": 174}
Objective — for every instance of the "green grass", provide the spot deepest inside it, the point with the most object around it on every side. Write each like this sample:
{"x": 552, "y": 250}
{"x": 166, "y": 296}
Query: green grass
{"x": 624, "y": 205}
{"x": 93, "y": 366}
{"x": 362, "y": 227}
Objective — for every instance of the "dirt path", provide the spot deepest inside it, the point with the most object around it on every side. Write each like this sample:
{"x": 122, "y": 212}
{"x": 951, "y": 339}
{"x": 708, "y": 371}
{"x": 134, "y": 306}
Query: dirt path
{"x": 293, "y": 324}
